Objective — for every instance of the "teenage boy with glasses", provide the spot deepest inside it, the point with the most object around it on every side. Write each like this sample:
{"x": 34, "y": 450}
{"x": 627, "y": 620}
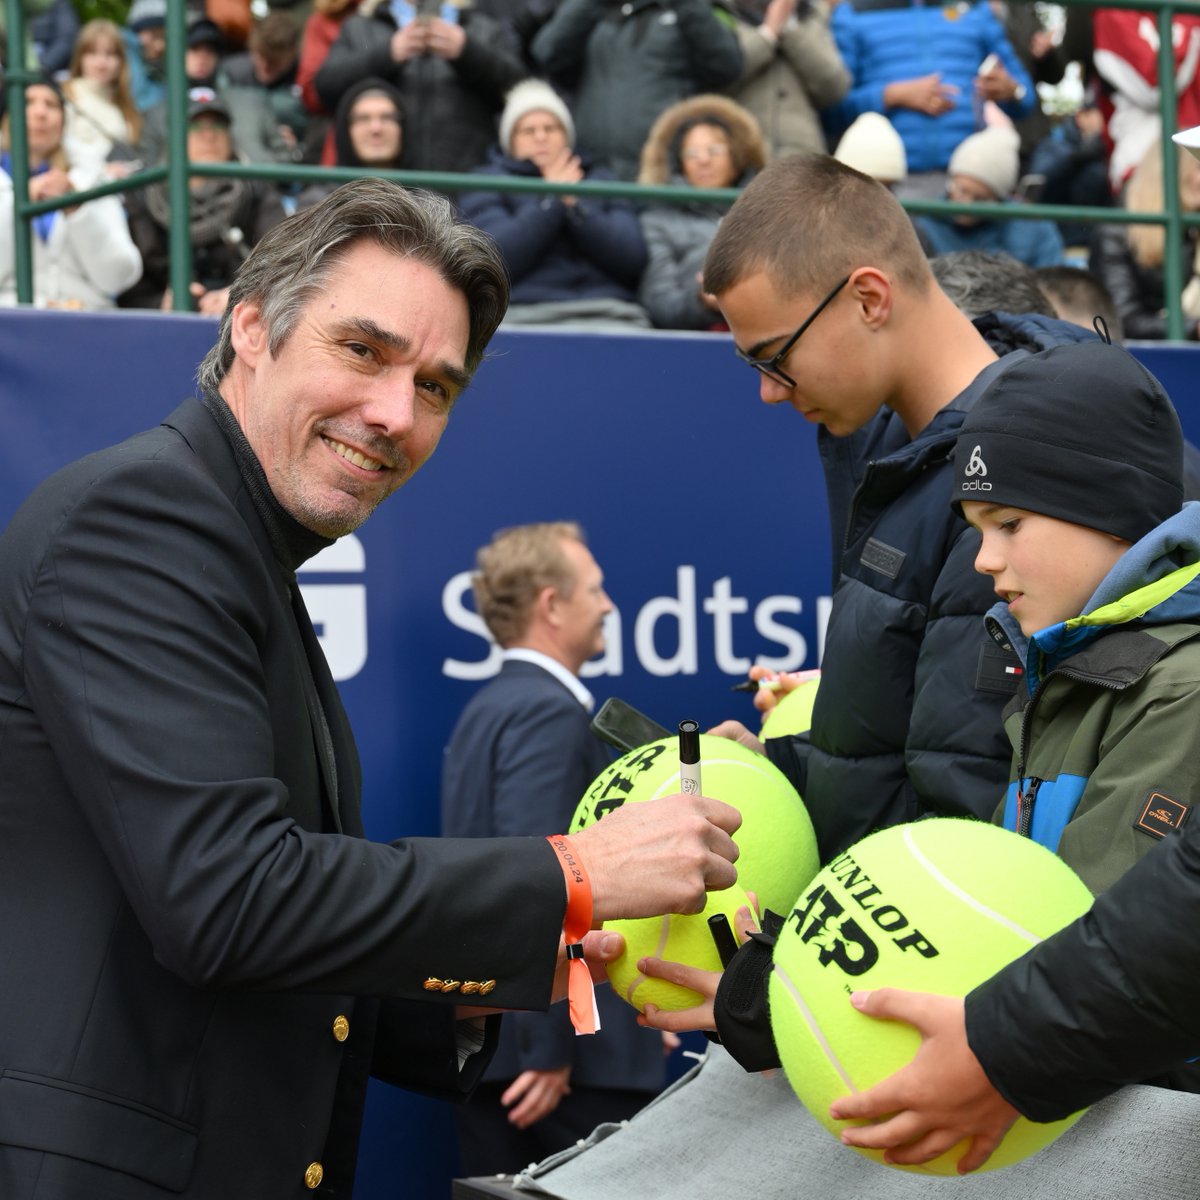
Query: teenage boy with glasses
{"x": 828, "y": 294}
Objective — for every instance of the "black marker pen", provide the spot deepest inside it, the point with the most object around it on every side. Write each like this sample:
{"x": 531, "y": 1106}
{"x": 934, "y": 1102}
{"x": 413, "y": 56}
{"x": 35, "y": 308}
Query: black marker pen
{"x": 689, "y": 758}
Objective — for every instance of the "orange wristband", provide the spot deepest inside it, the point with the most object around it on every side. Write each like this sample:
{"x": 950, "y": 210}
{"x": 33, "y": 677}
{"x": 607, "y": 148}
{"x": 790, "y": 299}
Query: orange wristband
{"x": 581, "y": 995}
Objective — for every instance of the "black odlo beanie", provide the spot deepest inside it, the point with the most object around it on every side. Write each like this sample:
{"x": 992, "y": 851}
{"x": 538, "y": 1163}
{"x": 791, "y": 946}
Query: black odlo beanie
{"x": 1081, "y": 432}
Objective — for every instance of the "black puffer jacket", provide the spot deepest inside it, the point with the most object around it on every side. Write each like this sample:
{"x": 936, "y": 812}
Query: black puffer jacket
{"x": 908, "y": 716}
{"x": 1112, "y": 999}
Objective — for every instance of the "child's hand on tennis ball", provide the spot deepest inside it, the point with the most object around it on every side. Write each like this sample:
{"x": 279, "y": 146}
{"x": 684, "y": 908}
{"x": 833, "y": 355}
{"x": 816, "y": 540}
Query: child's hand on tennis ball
{"x": 704, "y": 982}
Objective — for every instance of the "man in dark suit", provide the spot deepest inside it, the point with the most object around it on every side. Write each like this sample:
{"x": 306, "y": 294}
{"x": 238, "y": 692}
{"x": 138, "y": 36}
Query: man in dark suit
{"x": 201, "y": 958}
{"x": 520, "y": 758}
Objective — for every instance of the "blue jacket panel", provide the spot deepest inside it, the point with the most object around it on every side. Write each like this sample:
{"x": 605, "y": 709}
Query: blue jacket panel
{"x": 554, "y": 251}
{"x": 886, "y": 41}
{"x": 1035, "y": 243}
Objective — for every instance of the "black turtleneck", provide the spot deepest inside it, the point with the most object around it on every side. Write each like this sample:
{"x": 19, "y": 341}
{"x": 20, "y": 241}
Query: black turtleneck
{"x": 293, "y": 543}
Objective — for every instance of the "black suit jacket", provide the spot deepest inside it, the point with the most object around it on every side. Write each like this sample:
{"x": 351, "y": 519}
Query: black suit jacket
{"x": 518, "y": 762}
{"x": 181, "y": 928}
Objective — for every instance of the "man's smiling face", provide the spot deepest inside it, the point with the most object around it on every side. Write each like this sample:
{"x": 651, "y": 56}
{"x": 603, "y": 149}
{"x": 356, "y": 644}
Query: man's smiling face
{"x": 359, "y": 394}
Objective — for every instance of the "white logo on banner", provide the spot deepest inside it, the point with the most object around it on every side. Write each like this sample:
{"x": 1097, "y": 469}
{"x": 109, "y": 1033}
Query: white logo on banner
{"x": 338, "y": 610}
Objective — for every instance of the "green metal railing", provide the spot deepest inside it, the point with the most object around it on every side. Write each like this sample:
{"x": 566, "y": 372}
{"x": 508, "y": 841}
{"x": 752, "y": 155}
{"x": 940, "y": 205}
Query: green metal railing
{"x": 178, "y": 170}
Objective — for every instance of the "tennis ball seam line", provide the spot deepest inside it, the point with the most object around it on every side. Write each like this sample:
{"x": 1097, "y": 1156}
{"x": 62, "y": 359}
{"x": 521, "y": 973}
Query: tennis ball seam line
{"x": 664, "y": 934}
{"x": 961, "y": 894}
{"x": 815, "y": 1027}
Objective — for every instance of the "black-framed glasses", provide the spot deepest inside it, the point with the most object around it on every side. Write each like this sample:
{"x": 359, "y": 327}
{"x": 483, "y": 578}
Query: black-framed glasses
{"x": 770, "y": 367}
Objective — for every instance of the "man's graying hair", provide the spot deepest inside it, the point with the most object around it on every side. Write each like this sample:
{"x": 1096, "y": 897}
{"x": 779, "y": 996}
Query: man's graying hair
{"x": 293, "y": 262}
{"x": 979, "y": 282}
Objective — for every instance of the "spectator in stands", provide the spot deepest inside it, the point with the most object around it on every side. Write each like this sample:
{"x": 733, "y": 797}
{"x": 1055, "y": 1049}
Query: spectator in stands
{"x": 53, "y": 34}
{"x": 872, "y": 145}
{"x": 790, "y": 69}
{"x": 1080, "y": 297}
{"x": 889, "y": 51}
{"x": 202, "y": 53}
{"x": 83, "y": 255}
{"x": 630, "y": 62}
{"x": 1128, "y": 259}
{"x": 267, "y": 71}
{"x": 146, "y": 51}
{"x": 320, "y": 32}
{"x": 1125, "y": 54}
{"x": 705, "y": 142}
{"x": 368, "y": 132}
{"x": 571, "y": 259}
{"x": 983, "y": 169}
{"x": 101, "y": 114}
{"x": 1043, "y": 59}
{"x": 1072, "y": 165}
{"x": 226, "y": 216}
{"x": 451, "y": 65}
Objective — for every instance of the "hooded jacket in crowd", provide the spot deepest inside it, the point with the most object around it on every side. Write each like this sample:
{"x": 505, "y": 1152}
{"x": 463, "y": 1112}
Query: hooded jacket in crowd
{"x": 629, "y": 61}
{"x": 678, "y": 235}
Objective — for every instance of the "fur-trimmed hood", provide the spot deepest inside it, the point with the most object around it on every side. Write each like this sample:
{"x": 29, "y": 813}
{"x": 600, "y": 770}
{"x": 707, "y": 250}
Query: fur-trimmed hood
{"x": 660, "y": 155}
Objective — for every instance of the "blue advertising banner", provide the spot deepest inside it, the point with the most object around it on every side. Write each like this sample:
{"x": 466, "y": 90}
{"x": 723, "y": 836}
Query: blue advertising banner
{"x": 704, "y": 507}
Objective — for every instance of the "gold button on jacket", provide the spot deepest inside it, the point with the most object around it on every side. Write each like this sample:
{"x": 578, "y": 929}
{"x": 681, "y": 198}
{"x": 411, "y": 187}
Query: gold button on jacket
{"x": 313, "y": 1174}
{"x": 341, "y": 1028}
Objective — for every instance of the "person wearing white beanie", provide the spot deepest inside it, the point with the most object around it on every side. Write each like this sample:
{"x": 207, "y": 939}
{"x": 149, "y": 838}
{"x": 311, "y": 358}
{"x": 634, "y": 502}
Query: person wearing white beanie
{"x": 983, "y": 170}
{"x": 872, "y": 145}
{"x": 573, "y": 260}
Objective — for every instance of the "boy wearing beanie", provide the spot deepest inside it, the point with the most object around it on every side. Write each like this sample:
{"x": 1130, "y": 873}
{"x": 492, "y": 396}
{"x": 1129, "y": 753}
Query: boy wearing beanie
{"x": 1070, "y": 466}
{"x": 984, "y": 170}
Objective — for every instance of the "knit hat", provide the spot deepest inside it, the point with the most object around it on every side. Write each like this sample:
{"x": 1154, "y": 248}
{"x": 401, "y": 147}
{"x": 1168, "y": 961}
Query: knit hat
{"x": 992, "y": 156}
{"x": 872, "y": 145}
{"x": 532, "y": 95}
{"x": 1081, "y": 432}
{"x": 203, "y": 32}
{"x": 146, "y": 14}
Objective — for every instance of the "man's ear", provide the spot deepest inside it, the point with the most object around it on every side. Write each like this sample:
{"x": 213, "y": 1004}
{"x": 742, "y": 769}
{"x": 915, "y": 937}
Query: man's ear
{"x": 545, "y": 607}
{"x": 872, "y": 291}
{"x": 248, "y": 333}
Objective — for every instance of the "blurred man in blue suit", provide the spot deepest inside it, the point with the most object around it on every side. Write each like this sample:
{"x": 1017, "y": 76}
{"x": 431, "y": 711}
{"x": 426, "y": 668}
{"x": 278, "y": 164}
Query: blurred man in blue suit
{"x": 518, "y": 762}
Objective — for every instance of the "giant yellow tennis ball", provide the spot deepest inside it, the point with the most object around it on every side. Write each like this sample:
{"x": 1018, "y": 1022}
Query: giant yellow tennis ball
{"x": 685, "y": 939}
{"x": 777, "y": 849}
{"x": 793, "y": 713}
{"x": 935, "y": 906}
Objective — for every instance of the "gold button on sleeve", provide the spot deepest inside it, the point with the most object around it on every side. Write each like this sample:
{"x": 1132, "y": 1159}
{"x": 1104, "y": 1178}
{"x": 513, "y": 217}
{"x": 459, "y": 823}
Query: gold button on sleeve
{"x": 313, "y": 1174}
{"x": 341, "y": 1028}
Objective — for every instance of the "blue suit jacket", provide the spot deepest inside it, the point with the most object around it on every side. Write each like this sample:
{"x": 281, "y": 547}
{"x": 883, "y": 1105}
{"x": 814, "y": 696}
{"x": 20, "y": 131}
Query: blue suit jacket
{"x": 518, "y": 762}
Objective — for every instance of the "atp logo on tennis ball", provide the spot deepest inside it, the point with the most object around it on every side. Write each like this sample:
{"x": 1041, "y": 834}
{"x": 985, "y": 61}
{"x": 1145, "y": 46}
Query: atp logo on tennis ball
{"x": 935, "y": 906}
{"x": 776, "y": 844}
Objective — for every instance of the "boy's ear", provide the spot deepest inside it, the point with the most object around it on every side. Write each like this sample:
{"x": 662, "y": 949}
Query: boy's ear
{"x": 872, "y": 292}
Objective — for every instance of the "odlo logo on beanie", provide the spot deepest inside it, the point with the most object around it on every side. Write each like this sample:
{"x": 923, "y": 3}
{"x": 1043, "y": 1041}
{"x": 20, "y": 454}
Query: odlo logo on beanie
{"x": 975, "y": 466}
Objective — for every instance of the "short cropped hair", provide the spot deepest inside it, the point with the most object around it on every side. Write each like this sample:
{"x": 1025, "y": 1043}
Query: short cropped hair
{"x": 979, "y": 282}
{"x": 514, "y": 567}
{"x": 288, "y": 268}
{"x": 1080, "y": 296}
{"x": 807, "y": 221}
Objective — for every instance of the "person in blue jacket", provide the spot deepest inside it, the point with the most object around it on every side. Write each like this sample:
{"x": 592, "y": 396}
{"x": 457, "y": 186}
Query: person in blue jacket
{"x": 929, "y": 70}
{"x": 983, "y": 170}
{"x": 575, "y": 259}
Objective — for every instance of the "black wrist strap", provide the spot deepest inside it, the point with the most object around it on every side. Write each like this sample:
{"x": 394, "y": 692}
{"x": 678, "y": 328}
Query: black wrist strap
{"x": 740, "y": 1008}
